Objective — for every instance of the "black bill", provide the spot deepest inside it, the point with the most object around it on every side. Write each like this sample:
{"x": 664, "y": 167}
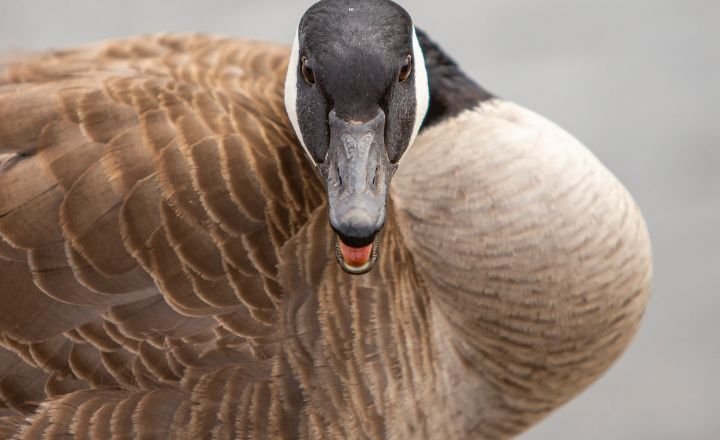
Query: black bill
{"x": 357, "y": 173}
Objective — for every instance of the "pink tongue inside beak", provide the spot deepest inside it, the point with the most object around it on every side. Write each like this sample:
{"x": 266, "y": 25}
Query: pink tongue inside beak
{"x": 355, "y": 257}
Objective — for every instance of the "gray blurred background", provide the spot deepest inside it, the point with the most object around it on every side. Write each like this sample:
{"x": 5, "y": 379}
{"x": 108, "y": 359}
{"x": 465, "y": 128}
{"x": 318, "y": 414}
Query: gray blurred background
{"x": 637, "y": 80}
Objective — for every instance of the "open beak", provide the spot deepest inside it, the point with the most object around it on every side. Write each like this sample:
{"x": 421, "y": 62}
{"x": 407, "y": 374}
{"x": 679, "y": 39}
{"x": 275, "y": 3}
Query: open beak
{"x": 357, "y": 174}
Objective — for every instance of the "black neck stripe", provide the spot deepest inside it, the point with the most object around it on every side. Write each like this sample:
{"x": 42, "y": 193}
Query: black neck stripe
{"x": 451, "y": 91}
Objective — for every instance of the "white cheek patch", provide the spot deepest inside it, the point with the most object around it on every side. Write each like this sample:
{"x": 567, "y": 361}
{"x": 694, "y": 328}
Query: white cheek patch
{"x": 291, "y": 87}
{"x": 422, "y": 88}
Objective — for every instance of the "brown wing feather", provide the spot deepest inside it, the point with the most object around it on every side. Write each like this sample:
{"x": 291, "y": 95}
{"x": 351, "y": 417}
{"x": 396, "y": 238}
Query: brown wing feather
{"x": 132, "y": 218}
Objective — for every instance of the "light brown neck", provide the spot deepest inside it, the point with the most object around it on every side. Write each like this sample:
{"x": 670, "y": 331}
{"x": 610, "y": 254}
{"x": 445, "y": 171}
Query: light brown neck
{"x": 536, "y": 259}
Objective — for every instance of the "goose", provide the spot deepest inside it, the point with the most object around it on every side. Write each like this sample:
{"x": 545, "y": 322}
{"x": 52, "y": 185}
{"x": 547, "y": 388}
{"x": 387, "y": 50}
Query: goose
{"x": 209, "y": 237}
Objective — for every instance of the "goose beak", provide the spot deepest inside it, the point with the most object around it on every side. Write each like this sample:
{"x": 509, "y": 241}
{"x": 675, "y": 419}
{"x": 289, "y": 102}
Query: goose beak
{"x": 357, "y": 261}
{"x": 357, "y": 173}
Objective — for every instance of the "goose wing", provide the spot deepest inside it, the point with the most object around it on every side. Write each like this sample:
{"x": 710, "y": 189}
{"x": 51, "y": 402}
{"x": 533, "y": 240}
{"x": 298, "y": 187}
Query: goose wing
{"x": 147, "y": 188}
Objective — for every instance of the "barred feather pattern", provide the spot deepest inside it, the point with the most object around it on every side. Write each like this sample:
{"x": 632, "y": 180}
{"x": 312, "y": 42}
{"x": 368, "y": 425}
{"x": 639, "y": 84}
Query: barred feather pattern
{"x": 167, "y": 266}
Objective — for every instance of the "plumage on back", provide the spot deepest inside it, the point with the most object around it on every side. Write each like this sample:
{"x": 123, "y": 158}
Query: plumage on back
{"x": 150, "y": 203}
{"x": 167, "y": 268}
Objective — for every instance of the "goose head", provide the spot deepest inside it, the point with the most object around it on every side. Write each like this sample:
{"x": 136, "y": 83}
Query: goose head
{"x": 356, "y": 93}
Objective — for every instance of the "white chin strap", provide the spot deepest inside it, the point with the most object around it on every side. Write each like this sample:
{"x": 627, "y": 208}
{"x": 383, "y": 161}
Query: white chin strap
{"x": 422, "y": 88}
{"x": 291, "y": 87}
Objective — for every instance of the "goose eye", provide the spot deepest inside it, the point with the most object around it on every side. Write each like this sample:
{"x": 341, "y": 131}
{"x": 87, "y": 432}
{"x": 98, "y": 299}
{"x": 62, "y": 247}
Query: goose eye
{"x": 406, "y": 69}
{"x": 307, "y": 71}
